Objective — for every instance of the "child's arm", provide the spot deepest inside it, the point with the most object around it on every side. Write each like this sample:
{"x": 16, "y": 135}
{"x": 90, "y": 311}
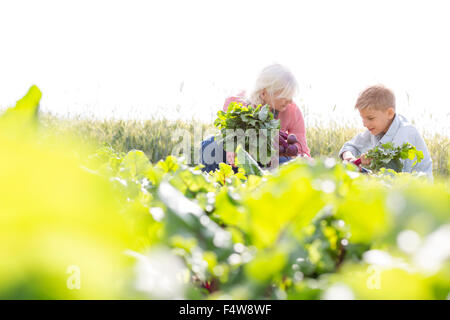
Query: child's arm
{"x": 352, "y": 148}
{"x": 348, "y": 156}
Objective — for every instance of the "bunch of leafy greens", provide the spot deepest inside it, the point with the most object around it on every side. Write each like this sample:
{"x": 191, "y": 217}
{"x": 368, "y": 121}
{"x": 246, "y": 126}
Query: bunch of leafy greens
{"x": 254, "y": 127}
{"x": 388, "y": 156}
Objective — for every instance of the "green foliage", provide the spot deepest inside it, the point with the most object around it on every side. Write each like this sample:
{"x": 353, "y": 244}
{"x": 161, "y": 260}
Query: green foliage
{"x": 292, "y": 233}
{"x": 389, "y": 156}
{"x": 252, "y": 127}
{"x": 247, "y": 162}
{"x": 225, "y": 175}
{"x": 23, "y": 116}
{"x": 308, "y": 230}
{"x": 239, "y": 116}
{"x": 57, "y": 219}
{"x": 155, "y": 137}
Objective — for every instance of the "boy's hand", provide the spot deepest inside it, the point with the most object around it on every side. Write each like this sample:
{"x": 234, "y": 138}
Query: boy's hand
{"x": 230, "y": 158}
{"x": 347, "y": 156}
{"x": 364, "y": 160}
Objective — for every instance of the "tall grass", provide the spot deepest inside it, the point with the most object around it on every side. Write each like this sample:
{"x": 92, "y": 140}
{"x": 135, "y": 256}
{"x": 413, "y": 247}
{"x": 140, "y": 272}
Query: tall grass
{"x": 156, "y": 137}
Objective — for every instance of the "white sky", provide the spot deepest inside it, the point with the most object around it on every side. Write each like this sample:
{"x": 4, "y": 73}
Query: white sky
{"x": 129, "y": 58}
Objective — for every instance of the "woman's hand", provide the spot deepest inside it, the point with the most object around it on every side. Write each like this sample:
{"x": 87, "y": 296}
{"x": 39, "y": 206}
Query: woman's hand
{"x": 230, "y": 158}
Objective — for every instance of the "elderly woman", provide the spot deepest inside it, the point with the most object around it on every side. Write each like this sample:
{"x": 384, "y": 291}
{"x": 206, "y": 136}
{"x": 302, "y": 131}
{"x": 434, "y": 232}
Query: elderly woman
{"x": 275, "y": 86}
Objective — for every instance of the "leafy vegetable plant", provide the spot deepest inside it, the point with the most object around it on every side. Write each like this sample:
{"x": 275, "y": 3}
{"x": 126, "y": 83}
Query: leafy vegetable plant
{"x": 388, "y": 156}
{"x": 252, "y": 126}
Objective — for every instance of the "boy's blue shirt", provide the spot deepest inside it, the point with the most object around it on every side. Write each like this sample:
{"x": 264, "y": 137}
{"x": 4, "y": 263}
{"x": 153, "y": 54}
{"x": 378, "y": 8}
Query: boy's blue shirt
{"x": 399, "y": 132}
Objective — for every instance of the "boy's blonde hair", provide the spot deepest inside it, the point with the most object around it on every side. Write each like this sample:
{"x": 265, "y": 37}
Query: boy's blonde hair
{"x": 274, "y": 78}
{"x": 377, "y": 97}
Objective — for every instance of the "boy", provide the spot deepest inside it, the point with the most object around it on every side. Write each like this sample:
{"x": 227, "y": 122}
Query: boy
{"x": 376, "y": 106}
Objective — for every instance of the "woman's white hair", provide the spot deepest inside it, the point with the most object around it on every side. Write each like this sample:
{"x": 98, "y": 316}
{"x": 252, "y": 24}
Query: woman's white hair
{"x": 275, "y": 79}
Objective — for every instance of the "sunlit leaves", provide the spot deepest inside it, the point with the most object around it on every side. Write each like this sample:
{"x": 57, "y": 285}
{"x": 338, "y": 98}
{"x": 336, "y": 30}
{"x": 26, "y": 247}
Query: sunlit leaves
{"x": 225, "y": 175}
{"x": 229, "y": 211}
{"x": 186, "y": 217}
{"x": 245, "y": 161}
{"x": 135, "y": 164}
{"x": 305, "y": 230}
{"x": 170, "y": 164}
{"x": 365, "y": 211}
{"x": 287, "y": 200}
{"x": 266, "y": 265}
{"x": 389, "y": 156}
{"x": 385, "y": 283}
{"x": 253, "y": 127}
{"x": 54, "y": 215}
{"x": 24, "y": 115}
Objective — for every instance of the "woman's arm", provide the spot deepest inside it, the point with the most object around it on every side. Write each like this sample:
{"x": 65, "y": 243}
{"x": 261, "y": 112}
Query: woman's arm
{"x": 297, "y": 127}
{"x": 240, "y": 97}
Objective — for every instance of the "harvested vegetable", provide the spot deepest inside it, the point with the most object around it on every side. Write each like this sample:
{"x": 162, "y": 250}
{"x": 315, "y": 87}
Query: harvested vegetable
{"x": 389, "y": 156}
{"x": 252, "y": 126}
